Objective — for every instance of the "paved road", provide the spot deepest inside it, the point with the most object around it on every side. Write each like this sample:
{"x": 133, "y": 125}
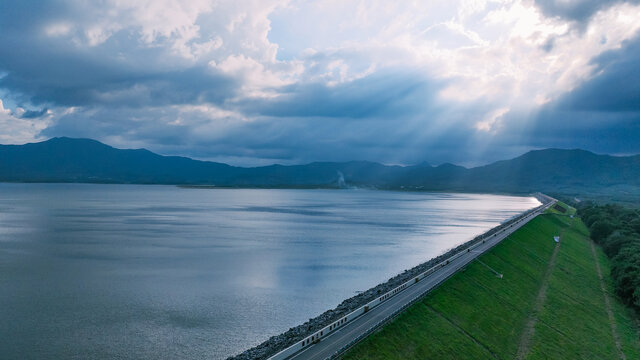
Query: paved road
{"x": 333, "y": 343}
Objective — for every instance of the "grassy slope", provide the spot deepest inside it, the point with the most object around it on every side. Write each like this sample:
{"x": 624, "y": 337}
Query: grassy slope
{"x": 475, "y": 315}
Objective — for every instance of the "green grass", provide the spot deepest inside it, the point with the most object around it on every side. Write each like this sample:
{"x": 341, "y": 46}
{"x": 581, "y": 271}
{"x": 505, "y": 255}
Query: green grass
{"x": 475, "y": 315}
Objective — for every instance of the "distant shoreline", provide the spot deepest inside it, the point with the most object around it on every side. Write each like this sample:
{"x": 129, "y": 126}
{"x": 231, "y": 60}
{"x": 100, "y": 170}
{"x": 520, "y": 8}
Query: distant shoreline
{"x": 229, "y": 187}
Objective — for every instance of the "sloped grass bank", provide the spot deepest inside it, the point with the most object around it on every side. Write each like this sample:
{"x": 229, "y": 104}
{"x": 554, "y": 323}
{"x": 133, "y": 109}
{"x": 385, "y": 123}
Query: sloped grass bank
{"x": 477, "y": 315}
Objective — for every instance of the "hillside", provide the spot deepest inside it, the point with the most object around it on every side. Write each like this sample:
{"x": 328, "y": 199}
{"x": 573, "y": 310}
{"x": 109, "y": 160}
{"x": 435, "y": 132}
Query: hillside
{"x": 551, "y": 170}
{"x": 85, "y": 160}
{"x": 554, "y": 301}
{"x": 561, "y": 170}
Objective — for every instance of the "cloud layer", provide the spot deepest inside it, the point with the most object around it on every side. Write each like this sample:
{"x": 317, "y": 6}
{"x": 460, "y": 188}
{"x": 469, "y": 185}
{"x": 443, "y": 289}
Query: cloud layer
{"x": 256, "y": 82}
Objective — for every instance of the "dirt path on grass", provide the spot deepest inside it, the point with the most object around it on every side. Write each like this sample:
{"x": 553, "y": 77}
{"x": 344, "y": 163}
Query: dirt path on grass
{"x": 529, "y": 328}
{"x": 607, "y": 303}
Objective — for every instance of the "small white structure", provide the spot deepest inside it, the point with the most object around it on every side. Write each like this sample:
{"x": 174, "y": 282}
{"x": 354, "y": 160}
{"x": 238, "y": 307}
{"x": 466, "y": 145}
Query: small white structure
{"x": 556, "y": 239}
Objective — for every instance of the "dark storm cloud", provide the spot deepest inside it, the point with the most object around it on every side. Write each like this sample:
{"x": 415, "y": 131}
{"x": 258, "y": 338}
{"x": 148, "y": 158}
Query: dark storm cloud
{"x": 70, "y": 79}
{"x": 42, "y": 69}
{"x": 34, "y": 114}
{"x": 616, "y": 88}
{"x": 601, "y": 114}
{"x": 373, "y": 118}
{"x": 18, "y": 16}
{"x": 579, "y": 10}
{"x": 385, "y": 94}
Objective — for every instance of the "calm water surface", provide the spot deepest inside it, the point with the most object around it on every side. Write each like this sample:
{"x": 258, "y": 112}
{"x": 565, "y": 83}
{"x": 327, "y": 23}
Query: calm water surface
{"x": 160, "y": 272}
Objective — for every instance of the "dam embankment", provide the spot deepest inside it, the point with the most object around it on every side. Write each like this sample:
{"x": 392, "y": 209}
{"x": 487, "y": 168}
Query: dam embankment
{"x": 279, "y": 342}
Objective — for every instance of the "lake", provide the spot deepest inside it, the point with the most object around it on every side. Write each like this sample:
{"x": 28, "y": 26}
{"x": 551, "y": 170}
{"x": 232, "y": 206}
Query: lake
{"x": 161, "y": 272}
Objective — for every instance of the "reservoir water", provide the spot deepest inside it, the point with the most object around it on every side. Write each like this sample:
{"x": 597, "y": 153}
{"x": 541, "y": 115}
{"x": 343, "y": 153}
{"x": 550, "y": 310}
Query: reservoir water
{"x": 161, "y": 272}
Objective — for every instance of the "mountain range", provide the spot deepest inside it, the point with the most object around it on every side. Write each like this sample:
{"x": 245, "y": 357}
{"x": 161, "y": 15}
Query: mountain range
{"x": 89, "y": 161}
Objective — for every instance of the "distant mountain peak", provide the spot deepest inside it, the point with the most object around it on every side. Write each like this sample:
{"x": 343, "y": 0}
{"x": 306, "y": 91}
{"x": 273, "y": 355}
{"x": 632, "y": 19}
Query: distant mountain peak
{"x": 66, "y": 139}
{"x": 73, "y": 142}
{"x": 449, "y": 165}
{"x": 559, "y": 151}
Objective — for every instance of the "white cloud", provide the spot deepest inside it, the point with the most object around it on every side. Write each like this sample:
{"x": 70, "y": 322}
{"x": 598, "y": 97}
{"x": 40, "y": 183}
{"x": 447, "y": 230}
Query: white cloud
{"x": 14, "y": 130}
{"x": 57, "y": 29}
{"x": 258, "y": 79}
{"x": 491, "y": 122}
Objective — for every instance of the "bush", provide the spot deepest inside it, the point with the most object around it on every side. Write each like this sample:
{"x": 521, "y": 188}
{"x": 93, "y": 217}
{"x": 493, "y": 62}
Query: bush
{"x": 614, "y": 242}
{"x": 601, "y": 229}
{"x": 625, "y": 272}
{"x": 617, "y": 230}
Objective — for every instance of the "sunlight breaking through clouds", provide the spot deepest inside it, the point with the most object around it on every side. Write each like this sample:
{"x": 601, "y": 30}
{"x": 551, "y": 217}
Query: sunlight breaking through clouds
{"x": 200, "y": 78}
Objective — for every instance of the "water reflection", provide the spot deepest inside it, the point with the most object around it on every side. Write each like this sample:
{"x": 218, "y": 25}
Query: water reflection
{"x": 159, "y": 272}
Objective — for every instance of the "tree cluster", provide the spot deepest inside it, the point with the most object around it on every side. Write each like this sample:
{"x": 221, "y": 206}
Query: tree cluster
{"x": 617, "y": 230}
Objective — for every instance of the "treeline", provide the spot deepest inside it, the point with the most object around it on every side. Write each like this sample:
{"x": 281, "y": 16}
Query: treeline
{"x": 617, "y": 230}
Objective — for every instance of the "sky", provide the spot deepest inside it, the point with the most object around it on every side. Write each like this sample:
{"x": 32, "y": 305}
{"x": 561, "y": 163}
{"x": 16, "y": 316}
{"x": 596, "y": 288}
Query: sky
{"x": 283, "y": 81}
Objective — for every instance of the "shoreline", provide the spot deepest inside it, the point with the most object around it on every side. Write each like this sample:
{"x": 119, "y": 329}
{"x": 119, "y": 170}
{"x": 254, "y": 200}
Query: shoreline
{"x": 281, "y": 341}
{"x": 196, "y": 186}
